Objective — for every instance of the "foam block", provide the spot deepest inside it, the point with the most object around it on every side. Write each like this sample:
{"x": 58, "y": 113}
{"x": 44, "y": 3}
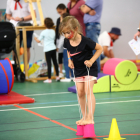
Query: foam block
{"x": 137, "y": 64}
{"x": 124, "y": 71}
{"x": 117, "y": 87}
{"x": 103, "y": 85}
{"x": 101, "y": 75}
{"x": 14, "y": 98}
{"x": 72, "y": 89}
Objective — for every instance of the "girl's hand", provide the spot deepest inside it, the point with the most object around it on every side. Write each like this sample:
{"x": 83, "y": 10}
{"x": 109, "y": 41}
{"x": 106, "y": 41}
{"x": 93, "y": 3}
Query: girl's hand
{"x": 88, "y": 63}
{"x": 57, "y": 49}
{"x": 70, "y": 64}
{"x": 38, "y": 41}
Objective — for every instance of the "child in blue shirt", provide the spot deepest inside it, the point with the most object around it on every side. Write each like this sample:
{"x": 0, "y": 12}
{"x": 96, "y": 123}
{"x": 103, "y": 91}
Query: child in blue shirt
{"x": 48, "y": 36}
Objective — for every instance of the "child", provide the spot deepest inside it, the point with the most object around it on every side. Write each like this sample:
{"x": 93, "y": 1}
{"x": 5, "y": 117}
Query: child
{"x": 48, "y": 36}
{"x": 61, "y": 9}
{"x": 81, "y": 59}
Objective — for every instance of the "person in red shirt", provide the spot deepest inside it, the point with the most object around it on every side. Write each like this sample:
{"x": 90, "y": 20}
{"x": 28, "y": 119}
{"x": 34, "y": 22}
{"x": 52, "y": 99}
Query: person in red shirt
{"x": 74, "y": 7}
{"x": 74, "y": 10}
{"x": 106, "y": 40}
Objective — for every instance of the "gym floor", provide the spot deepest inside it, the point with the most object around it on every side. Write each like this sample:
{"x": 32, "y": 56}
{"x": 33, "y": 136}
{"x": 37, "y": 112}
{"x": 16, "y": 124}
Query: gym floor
{"x": 55, "y": 111}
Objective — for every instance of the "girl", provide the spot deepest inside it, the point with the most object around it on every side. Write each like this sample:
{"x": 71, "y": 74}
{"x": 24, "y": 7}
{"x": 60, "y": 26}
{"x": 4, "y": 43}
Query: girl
{"x": 48, "y": 36}
{"x": 81, "y": 59}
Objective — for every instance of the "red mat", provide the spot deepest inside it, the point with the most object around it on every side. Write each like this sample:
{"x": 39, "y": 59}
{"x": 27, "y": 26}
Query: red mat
{"x": 14, "y": 98}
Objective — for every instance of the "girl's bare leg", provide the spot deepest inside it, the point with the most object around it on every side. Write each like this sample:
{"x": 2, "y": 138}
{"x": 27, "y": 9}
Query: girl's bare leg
{"x": 90, "y": 103}
{"x": 82, "y": 99}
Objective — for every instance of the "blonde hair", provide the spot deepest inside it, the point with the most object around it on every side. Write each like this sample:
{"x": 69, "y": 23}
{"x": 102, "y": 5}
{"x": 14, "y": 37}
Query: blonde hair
{"x": 70, "y": 23}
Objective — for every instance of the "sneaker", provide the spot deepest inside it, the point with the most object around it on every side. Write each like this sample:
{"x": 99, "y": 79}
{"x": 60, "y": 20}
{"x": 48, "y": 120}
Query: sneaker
{"x": 57, "y": 79}
{"x": 47, "y": 81}
{"x": 61, "y": 75}
{"x": 65, "y": 80}
{"x": 72, "y": 78}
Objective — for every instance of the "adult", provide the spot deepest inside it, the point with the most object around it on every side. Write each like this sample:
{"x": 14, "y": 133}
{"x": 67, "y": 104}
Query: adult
{"x": 61, "y": 9}
{"x": 137, "y": 34}
{"x": 74, "y": 10}
{"x": 106, "y": 40}
{"x": 19, "y": 11}
{"x": 92, "y": 22}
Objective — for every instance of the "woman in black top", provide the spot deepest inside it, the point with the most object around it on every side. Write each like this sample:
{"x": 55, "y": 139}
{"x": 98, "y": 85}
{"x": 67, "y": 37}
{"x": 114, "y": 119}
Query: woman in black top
{"x": 62, "y": 54}
{"x": 81, "y": 59}
{"x": 61, "y": 9}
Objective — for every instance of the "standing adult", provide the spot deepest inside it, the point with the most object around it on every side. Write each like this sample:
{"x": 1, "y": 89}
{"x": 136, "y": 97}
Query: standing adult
{"x": 19, "y": 11}
{"x": 74, "y": 10}
{"x": 61, "y": 9}
{"x": 92, "y": 23}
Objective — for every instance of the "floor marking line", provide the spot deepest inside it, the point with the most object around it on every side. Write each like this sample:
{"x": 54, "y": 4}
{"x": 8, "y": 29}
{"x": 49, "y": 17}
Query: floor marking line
{"x": 68, "y": 119}
{"x": 32, "y": 128}
{"x": 51, "y": 102}
{"x": 75, "y": 105}
{"x": 39, "y": 115}
{"x": 62, "y": 102}
{"x": 41, "y": 107}
{"x": 103, "y": 136}
{"x": 48, "y": 94}
{"x": 68, "y": 101}
{"x": 118, "y": 102}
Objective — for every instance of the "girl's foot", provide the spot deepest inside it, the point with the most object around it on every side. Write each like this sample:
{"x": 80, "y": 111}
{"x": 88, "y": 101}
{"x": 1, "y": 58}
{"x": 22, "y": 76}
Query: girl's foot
{"x": 48, "y": 81}
{"x": 87, "y": 121}
{"x": 79, "y": 122}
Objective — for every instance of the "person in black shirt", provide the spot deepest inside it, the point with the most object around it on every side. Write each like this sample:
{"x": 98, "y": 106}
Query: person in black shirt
{"x": 62, "y": 53}
{"x": 61, "y": 9}
{"x": 82, "y": 60}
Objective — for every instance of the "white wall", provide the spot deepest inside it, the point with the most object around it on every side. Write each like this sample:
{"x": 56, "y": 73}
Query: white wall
{"x": 124, "y": 14}
{"x": 49, "y": 10}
